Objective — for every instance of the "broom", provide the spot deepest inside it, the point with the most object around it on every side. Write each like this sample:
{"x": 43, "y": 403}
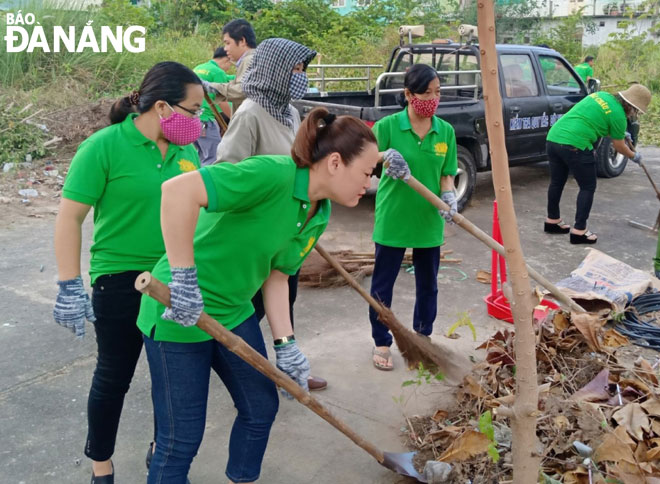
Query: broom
{"x": 414, "y": 347}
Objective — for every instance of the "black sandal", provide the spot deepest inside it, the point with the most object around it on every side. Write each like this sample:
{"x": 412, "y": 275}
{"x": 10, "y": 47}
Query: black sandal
{"x": 584, "y": 238}
{"x": 107, "y": 479}
{"x": 556, "y": 227}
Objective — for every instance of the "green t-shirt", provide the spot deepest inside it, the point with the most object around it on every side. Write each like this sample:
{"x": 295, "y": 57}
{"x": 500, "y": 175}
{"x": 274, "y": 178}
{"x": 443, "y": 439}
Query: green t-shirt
{"x": 210, "y": 71}
{"x": 597, "y": 115}
{"x": 253, "y": 224}
{"x": 119, "y": 172}
{"x": 547, "y": 65}
{"x": 585, "y": 71}
{"x": 403, "y": 217}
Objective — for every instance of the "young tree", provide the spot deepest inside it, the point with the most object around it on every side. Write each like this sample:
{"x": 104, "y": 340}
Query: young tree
{"x": 523, "y": 412}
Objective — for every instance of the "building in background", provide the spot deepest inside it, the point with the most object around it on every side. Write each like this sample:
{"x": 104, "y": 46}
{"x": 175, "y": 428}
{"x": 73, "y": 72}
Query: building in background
{"x": 607, "y": 16}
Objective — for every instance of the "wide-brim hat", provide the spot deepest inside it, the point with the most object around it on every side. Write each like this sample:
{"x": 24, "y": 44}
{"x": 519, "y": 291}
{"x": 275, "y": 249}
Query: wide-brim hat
{"x": 637, "y": 96}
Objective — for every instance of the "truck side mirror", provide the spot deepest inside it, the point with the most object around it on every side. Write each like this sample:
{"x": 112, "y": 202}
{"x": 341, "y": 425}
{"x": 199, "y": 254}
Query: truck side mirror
{"x": 593, "y": 85}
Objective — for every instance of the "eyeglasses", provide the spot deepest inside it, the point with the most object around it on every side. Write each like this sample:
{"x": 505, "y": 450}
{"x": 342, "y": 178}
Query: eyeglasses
{"x": 196, "y": 114}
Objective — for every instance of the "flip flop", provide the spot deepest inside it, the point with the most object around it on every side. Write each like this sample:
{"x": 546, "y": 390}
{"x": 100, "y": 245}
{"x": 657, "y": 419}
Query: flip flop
{"x": 386, "y": 355}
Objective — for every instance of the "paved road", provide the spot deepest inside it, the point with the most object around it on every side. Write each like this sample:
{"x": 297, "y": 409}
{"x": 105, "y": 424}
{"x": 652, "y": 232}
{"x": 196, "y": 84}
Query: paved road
{"x": 45, "y": 374}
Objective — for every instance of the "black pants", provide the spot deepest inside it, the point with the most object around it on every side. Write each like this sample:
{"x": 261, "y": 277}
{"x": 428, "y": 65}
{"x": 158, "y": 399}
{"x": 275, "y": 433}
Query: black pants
{"x": 116, "y": 306}
{"x": 258, "y": 299}
{"x": 582, "y": 163}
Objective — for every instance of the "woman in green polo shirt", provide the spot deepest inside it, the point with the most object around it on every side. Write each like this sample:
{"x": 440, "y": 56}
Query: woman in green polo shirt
{"x": 570, "y": 150}
{"x": 403, "y": 218}
{"x": 119, "y": 171}
{"x": 262, "y": 217}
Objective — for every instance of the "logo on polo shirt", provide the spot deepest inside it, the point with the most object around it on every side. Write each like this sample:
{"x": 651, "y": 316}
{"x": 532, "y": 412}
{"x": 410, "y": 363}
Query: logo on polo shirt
{"x": 186, "y": 165}
{"x": 308, "y": 247}
{"x": 440, "y": 149}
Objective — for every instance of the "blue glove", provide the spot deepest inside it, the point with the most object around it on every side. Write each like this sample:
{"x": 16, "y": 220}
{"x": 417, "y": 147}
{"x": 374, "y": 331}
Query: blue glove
{"x": 637, "y": 158}
{"x": 208, "y": 88}
{"x": 185, "y": 296}
{"x": 449, "y": 197}
{"x": 396, "y": 167}
{"x": 72, "y": 306}
{"x": 628, "y": 137}
{"x": 292, "y": 362}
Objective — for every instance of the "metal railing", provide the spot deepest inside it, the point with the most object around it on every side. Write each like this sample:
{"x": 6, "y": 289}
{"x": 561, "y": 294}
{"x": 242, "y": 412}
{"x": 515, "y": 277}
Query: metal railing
{"x": 386, "y": 75}
{"x": 322, "y": 79}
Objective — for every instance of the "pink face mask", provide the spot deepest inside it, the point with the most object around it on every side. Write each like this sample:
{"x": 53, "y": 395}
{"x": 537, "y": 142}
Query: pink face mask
{"x": 424, "y": 107}
{"x": 179, "y": 129}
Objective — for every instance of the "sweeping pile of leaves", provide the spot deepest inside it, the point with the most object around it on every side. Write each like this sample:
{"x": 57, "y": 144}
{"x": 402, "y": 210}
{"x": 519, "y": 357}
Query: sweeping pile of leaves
{"x": 598, "y": 420}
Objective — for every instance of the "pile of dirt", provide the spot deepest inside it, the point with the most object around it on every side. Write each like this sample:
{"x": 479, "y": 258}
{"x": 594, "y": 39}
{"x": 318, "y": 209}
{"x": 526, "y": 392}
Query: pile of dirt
{"x": 33, "y": 188}
{"x": 76, "y": 123}
{"x": 593, "y": 403}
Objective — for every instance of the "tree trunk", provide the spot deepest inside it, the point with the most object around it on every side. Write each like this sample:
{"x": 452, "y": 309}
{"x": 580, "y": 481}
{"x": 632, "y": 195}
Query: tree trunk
{"x": 523, "y": 413}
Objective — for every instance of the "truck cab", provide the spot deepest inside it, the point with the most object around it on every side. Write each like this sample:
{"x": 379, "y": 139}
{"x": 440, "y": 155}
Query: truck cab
{"x": 537, "y": 86}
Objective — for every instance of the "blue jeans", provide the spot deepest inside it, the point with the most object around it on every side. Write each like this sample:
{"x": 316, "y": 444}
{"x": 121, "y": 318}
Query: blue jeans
{"x": 386, "y": 269}
{"x": 207, "y": 143}
{"x": 180, "y": 374}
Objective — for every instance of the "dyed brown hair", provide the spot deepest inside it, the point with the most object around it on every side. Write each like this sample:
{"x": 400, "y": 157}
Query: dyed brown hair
{"x": 321, "y": 133}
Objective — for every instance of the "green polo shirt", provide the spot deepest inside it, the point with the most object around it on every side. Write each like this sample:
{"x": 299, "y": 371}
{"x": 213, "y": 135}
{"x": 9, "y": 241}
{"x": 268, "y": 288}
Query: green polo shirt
{"x": 210, "y": 71}
{"x": 597, "y": 115}
{"x": 254, "y": 223}
{"x": 119, "y": 172}
{"x": 584, "y": 70}
{"x": 403, "y": 217}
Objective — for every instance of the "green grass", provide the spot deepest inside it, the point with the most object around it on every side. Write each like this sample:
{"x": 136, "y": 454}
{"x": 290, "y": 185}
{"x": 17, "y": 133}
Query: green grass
{"x": 96, "y": 74}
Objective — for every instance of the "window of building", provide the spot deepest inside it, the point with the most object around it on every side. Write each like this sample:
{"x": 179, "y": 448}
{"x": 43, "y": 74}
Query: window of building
{"x": 363, "y": 3}
{"x": 338, "y": 3}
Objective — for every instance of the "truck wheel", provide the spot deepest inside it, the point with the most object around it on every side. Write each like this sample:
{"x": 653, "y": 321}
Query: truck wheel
{"x": 466, "y": 176}
{"x": 609, "y": 163}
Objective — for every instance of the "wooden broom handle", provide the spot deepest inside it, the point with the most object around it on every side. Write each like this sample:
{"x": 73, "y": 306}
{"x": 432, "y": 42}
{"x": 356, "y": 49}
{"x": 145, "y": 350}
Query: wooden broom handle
{"x": 465, "y": 224}
{"x": 216, "y": 114}
{"x": 349, "y": 278}
{"x": 147, "y": 284}
{"x": 648, "y": 175}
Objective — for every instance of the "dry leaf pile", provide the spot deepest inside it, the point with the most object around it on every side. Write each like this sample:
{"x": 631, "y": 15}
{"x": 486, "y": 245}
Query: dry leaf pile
{"x": 585, "y": 395}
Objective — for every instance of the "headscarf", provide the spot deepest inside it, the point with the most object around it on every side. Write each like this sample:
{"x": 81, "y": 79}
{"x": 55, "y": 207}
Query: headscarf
{"x": 267, "y": 80}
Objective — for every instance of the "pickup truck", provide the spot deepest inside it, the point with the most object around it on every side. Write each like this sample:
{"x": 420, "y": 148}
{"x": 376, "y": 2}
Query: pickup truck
{"x": 537, "y": 86}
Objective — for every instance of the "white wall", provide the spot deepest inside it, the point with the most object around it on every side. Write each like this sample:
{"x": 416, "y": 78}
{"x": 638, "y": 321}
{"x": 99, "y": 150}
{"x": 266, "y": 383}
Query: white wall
{"x": 600, "y": 36}
{"x": 609, "y": 25}
{"x": 562, "y": 8}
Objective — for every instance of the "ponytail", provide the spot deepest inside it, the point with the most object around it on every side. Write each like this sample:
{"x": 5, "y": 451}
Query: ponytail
{"x": 166, "y": 81}
{"x": 120, "y": 109}
{"x": 322, "y": 133}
